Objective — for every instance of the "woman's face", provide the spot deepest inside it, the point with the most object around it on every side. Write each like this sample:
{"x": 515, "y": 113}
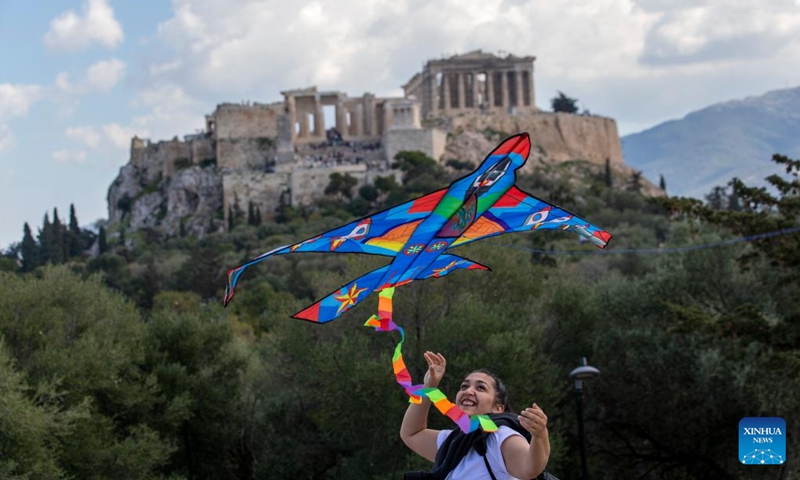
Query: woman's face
{"x": 477, "y": 395}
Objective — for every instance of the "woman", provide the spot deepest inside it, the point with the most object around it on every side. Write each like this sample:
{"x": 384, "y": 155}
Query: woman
{"x": 508, "y": 455}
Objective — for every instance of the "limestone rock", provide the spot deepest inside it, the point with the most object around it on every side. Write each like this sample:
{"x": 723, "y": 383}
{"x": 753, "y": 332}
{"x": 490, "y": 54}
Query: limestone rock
{"x": 193, "y": 196}
{"x": 127, "y": 184}
{"x": 147, "y": 211}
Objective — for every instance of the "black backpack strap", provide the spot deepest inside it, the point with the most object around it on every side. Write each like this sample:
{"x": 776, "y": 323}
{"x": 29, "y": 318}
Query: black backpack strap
{"x": 488, "y": 467}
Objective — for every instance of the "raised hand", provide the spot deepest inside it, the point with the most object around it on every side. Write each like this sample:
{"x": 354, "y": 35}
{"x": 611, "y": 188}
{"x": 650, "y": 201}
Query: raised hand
{"x": 533, "y": 420}
{"x": 436, "y": 367}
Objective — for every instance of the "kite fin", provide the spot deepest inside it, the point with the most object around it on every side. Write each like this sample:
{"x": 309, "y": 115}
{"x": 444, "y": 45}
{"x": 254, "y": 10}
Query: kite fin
{"x": 343, "y": 299}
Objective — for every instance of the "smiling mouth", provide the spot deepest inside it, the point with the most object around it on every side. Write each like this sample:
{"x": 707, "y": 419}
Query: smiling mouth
{"x": 468, "y": 403}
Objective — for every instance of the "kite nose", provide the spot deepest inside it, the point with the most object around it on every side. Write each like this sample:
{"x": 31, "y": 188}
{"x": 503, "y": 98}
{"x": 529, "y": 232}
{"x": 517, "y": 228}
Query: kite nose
{"x": 600, "y": 238}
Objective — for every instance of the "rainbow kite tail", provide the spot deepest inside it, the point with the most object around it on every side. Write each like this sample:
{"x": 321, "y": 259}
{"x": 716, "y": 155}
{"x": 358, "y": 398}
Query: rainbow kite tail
{"x": 383, "y": 322}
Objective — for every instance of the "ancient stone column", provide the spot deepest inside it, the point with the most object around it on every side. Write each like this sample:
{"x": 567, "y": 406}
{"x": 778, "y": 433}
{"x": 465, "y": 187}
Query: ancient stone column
{"x": 431, "y": 100}
{"x": 520, "y": 99}
{"x": 460, "y": 89}
{"x": 474, "y": 90}
{"x": 319, "y": 118}
{"x": 358, "y": 119}
{"x": 303, "y": 126}
{"x": 388, "y": 117}
{"x": 504, "y": 89}
{"x": 489, "y": 89}
{"x": 446, "y": 91}
{"x": 369, "y": 115}
{"x": 291, "y": 109}
{"x": 341, "y": 117}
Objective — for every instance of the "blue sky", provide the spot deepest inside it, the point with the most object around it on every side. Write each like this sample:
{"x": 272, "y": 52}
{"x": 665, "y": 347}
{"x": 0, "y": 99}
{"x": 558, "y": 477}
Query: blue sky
{"x": 78, "y": 78}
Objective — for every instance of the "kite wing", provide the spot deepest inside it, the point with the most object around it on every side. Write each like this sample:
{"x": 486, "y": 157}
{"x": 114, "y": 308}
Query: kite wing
{"x": 517, "y": 211}
{"x": 383, "y": 233}
{"x": 349, "y": 295}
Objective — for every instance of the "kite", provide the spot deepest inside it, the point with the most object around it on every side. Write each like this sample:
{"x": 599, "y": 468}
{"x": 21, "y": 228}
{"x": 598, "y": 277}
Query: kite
{"x": 419, "y": 235}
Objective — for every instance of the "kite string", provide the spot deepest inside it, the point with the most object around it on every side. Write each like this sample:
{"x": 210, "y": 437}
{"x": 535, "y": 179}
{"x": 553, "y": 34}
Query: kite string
{"x": 383, "y": 322}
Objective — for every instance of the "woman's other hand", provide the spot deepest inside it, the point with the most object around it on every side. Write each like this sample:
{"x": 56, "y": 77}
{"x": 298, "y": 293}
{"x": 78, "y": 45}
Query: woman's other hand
{"x": 436, "y": 367}
{"x": 533, "y": 420}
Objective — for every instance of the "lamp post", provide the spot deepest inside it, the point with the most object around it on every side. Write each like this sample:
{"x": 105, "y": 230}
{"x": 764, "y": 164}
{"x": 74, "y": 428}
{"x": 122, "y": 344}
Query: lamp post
{"x": 578, "y": 375}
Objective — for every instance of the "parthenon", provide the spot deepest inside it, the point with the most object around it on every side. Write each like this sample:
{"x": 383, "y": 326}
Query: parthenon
{"x": 474, "y": 81}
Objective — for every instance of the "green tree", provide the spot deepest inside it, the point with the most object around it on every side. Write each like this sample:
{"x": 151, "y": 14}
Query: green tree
{"x": 635, "y": 182}
{"x": 421, "y": 173}
{"x": 31, "y": 426}
{"x": 84, "y": 344}
{"x": 59, "y": 245}
{"x": 563, "y": 103}
{"x": 198, "y": 369}
{"x": 341, "y": 184}
{"x": 203, "y": 272}
{"x": 74, "y": 244}
{"x": 29, "y": 250}
{"x": 368, "y": 193}
{"x": 46, "y": 239}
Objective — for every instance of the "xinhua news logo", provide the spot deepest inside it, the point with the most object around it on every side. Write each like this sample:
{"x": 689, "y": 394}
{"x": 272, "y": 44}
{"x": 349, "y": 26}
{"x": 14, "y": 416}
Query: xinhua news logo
{"x": 762, "y": 441}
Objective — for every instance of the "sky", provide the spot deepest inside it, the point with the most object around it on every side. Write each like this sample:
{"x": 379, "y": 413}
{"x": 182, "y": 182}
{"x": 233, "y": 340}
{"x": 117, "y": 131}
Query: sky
{"x": 80, "y": 78}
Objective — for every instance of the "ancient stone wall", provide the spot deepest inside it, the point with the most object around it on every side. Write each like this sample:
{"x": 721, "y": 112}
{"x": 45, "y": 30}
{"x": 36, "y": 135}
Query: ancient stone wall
{"x": 247, "y": 121}
{"x": 246, "y": 153}
{"x": 555, "y": 136}
{"x": 202, "y": 149}
{"x": 154, "y": 161}
{"x": 262, "y": 189}
{"x": 429, "y": 141}
{"x": 309, "y": 184}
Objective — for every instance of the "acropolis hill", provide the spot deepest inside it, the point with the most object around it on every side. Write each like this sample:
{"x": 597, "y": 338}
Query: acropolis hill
{"x": 263, "y": 154}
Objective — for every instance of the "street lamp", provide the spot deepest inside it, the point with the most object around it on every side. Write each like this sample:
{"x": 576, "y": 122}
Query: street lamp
{"x": 578, "y": 375}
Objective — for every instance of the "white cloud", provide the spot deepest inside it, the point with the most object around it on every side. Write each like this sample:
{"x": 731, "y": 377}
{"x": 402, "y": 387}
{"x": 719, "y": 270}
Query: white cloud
{"x": 69, "y": 156}
{"x": 103, "y": 75}
{"x": 642, "y": 61}
{"x": 86, "y": 135}
{"x": 16, "y": 100}
{"x": 170, "y": 111}
{"x": 719, "y": 30}
{"x": 62, "y": 82}
{"x": 120, "y": 137}
{"x": 71, "y": 32}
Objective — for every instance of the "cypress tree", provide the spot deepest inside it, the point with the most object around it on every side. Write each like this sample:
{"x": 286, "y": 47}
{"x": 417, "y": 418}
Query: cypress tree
{"x": 29, "y": 250}
{"x": 662, "y": 184}
{"x": 58, "y": 247}
{"x": 45, "y": 240}
{"x": 251, "y": 213}
{"x": 74, "y": 234}
{"x": 608, "y": 178}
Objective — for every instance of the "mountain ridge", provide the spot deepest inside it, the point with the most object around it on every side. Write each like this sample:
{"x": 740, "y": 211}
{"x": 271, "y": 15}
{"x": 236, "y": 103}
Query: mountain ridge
{"x": 710, "y": 146}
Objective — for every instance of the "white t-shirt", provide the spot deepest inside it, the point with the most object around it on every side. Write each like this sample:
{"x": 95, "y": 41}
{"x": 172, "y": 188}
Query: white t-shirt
{"x": 472, "y": 467}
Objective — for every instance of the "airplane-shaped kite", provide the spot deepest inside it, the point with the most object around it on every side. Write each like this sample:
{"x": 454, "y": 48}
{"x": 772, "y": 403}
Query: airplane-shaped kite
{"x": 420, "y": 233}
